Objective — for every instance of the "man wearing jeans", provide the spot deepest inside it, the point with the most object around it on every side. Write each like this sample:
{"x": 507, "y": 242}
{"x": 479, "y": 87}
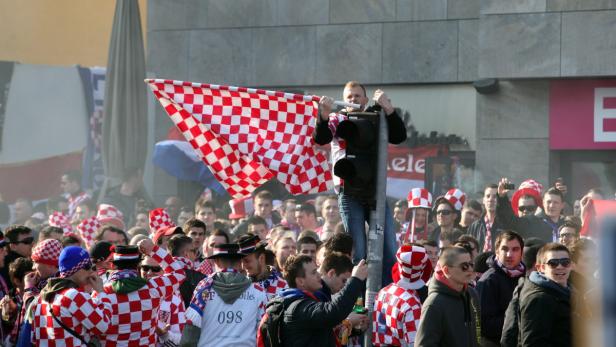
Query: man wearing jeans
{"x": 354, "y": 211}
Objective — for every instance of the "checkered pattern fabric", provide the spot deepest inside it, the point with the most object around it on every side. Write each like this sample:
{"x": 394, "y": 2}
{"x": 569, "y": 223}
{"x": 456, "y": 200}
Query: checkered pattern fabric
{"x": 60, "y": 220}
{"x": 110, "y": 214}
{"x": 74, "y": 201}
{"x": 532, "y": 184}
{"x": 396, "y": 315}
{"x": 412, "y": 260}
{"x": 47, "y": 252}
{"x": 75, "y": 309}
{"x": 419, "y": 197}
{"x": 134, "y": 317}
{"x": 206, "y": 267}
{"x": 159, "y": 218}
{"x": 247, "y": 136}
{"x": 171, "y": 312}
{"x": 456, "y": 197}
{"x": 274, "y": 284}
{"x": 87, "y": 229}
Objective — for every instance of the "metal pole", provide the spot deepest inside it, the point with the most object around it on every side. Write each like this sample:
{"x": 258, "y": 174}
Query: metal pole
{"x": 377, "y": 228}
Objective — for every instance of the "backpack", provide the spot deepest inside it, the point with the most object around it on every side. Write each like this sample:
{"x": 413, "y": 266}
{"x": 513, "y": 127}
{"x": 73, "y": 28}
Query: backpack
{"x": 269, "y": 330}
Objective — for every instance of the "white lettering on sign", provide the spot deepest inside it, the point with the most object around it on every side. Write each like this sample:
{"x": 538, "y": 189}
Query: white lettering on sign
{"x": 407, "y": 164}
{"x": 601, "y": 113}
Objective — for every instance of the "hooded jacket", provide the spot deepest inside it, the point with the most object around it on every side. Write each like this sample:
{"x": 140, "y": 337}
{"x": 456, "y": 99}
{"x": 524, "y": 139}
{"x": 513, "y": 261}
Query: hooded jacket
{"x": 495, "y": 289}
{"x": 545, "y": 313}
{"x": 448, "y": 318}
{"x": 224, "y": 311}
{"x": 311, "y": 322}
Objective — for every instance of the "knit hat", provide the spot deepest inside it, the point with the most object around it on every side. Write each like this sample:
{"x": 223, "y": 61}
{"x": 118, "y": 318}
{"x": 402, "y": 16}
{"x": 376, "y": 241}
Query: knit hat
{"x": 529, "y": 187}
{"x": 60, "y": 220}
{"x": 159, "y": 218}
{"x": 87, "y": 229}
{"x": 241, "y": 208}
{"x": 226, "y": 250}
{"x": 109, "y": 214}
{"x": 47, "y": 252}
{"x": 73, "y": 259}
{"x": 101, "y": 250}
{"x": 412, "y": 260}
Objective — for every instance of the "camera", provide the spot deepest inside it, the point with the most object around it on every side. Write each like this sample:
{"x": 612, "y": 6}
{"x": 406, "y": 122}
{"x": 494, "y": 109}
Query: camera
{"x": 509, "y": 186}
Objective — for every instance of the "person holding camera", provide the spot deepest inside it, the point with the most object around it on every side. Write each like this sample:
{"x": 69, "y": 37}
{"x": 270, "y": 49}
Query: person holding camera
{"x": 544, "y": 225}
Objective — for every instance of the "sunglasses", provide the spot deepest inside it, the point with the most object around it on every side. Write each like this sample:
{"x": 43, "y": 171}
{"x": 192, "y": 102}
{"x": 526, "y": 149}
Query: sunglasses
{"x": 147, "y": 268}
{"x": 466, "y": 266}
{"x": 553, "y": 263}
{"x": 444, "y": 212}
{"x": 527, "y": 208}
{"x": 26, "y": 241}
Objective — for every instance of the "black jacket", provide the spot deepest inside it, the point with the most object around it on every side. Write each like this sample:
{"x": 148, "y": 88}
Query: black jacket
{"x": 311, "y": 323}
{"x": 396, "y": 130}
{"x": 545, "y": 313}
{"x": 530, "y": 226}
{"x": 188, "y": 286}
{"x": 495, "y": 289}
{"x": 478, "y": 230}
{"x": 511, "y": 332}
{"x": 448, "y": 318}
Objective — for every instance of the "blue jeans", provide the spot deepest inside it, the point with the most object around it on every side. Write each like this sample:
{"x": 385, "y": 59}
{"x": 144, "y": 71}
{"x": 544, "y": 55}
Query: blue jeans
{"x": 354, "y": 216}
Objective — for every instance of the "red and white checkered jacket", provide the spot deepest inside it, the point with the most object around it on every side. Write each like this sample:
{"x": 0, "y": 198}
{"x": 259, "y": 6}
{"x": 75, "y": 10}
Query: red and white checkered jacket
{"x": 273, "y": 284}
{"x": 75, "y": 308}
{"x": 396, "y": 316}
{"x": 171, "y": 312}
{"x": 135, "y": 314}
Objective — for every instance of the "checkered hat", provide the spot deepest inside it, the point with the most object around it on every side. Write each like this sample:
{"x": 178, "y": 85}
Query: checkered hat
{"x": 529, "y": 187}
{"x": 87, "y": 229}
{"x": 159, "y": 218}
{"x": 47, "y": 252}
{"x": 456, "y": 198}
{"x": 240, "y": 208}
{"x": 109, "y": 214}
{"x": 60, "y": 220}
{"x": 419, "y": 197}
{"x": 412, "y": 261}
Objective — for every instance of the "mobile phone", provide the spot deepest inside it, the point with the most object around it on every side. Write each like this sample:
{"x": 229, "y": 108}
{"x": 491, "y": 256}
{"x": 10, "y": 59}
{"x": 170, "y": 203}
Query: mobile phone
{"x": 509, "y": 186}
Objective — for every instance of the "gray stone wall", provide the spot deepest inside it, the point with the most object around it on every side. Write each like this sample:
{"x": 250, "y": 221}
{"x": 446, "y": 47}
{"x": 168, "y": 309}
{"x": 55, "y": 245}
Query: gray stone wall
{"x": 274, "y": 43}
{"x": 547, "y": 38}
{"x": 318, "y": 42}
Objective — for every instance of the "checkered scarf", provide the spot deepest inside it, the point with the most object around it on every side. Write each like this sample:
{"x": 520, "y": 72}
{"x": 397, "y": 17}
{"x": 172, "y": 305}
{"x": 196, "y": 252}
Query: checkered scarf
{"x": 85, "y": 263}
{"x": 518, "y": 271}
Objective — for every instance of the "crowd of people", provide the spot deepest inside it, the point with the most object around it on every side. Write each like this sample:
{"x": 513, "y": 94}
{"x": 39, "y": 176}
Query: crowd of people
{"x": 511, "y": 269}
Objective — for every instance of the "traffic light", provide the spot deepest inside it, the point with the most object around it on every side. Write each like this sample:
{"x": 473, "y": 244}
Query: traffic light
{"x": 358, "y": 168}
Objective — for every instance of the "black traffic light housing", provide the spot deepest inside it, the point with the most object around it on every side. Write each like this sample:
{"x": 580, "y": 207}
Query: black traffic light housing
{"x": 358, "y": 168}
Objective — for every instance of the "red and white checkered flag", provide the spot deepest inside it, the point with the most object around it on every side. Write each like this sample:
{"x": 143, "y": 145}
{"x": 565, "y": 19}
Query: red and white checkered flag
{"x": 248, "y": 136}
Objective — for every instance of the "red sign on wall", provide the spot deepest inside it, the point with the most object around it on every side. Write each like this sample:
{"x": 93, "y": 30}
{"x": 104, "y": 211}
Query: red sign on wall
{"x": 583, "y": 114}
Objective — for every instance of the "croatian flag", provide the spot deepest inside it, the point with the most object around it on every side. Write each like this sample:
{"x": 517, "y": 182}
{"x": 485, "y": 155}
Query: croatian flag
{"x": 248, "y": 136}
